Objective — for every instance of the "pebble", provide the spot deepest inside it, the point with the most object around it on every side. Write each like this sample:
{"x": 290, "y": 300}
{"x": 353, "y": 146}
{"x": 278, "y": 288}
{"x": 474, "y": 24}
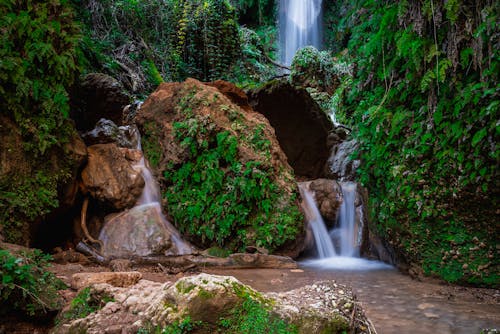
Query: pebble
{"x": 431, "y": 315}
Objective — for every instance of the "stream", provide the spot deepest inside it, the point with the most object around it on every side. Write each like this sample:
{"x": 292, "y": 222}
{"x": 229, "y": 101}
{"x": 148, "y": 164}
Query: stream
{"x": 394, "y": 302}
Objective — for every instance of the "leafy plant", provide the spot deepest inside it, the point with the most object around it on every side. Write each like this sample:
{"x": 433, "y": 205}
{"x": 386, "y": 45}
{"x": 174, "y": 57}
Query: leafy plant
{"x": 86, "y": 302}
{"x": 426, "y": 117}
{"x": 26, "y": 284}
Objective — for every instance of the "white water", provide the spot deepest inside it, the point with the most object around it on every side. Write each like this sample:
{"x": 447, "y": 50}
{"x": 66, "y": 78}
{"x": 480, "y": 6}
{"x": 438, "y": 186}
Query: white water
{"x": 299, "y": 26}
{"x": 151, "y": 197}
{"x": 347, "y": 235}
{"x": 322, "y": 239}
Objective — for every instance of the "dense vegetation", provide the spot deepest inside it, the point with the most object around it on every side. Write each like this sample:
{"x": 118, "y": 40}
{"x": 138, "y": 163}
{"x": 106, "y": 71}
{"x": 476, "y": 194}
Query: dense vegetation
{"x": 425, "y": 102}
{"x": 38, "y": 61}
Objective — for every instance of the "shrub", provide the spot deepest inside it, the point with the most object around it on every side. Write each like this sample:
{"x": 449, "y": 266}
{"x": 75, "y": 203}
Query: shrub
{"x": 38, "y": 52}
{"x": 26, "y": 284}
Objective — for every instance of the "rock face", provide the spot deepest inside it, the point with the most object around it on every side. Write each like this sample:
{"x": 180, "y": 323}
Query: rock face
{"x": 325, "y": 307}
{"x": 138, "y": 232}
{"x": 301, "y": 126}
{"x": 110, "y": 177}
{"x": 119, "y": 279}
{"x": 183, "y": 125}
{"x": 98, "y": 96}
{"x": 340, "y": 164}
{"x": 36, "y": 189}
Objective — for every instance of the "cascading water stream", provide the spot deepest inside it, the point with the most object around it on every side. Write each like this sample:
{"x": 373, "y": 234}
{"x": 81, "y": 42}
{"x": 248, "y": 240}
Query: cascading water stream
{"x": 151, "y": 197}
{"x": 322, "y": 239}
{"x": 339, "y": 247}
{"x": 299, "y": 26}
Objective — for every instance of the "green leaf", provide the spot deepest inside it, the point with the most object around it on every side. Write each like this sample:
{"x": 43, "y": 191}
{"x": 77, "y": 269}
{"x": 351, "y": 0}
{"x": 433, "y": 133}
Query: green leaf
{"x": 479, "y": 136}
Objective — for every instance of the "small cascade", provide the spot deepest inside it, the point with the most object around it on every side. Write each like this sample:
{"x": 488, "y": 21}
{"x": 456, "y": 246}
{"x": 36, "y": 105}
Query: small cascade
{"x": 151, "y": 197}
{"x": 338, "y": 248}
{"x": 349, "y": 230}
{"x": 322, "y": 239}
{"x": 299, "y": 26}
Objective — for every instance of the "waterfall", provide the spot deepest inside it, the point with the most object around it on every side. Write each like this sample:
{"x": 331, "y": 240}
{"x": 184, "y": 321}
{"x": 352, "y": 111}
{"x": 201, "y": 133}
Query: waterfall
{"x": 299, "y": 26}
{"x": 151, "y": 197}
{"x": 322, "y": 239}
{"x": 349, "y": 230}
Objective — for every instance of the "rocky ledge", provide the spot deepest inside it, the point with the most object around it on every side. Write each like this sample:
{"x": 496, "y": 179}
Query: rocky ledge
{"x": 211, "y": 301}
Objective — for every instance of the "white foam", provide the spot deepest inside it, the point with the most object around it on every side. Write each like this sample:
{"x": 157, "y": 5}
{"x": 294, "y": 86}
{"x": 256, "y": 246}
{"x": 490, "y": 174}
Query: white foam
{"x": 346, "y": 263}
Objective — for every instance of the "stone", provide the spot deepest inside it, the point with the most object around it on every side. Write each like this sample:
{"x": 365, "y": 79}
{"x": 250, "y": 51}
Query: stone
{"x": 97, "y": 96}
{"x": 340, "y": 164}
{"x": 301, "y": 126}
{"x": 207, "y": 298}
{"x": 245, "y": 260}
{"x": 328, "y": 196}
{"x": 213, "y": 111}
{"x": 106, "y": 131}
{"x": 117, "y": 279}
{"x": 111, "y": 178}
{"x": 139, "y": 232}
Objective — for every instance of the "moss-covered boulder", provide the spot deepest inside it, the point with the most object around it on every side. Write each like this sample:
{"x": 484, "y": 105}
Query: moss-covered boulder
{"x": 225, "y": 179}
{"x": 220, "y": 304}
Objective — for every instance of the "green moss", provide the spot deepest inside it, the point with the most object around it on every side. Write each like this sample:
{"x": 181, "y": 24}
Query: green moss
{"x": 218, "y": 252}
{"x": 86, "y": 302}
{"x": 184, "y": 288}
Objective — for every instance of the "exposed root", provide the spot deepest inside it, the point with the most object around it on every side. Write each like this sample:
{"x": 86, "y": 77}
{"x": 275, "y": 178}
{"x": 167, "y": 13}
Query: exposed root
{"x": 83, "y": 222}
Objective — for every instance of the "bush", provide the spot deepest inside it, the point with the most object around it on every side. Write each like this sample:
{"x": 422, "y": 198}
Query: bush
{"x": 27, "y": 285}
{"x": 426, "y": 104}
{"x": 38, "y": 52}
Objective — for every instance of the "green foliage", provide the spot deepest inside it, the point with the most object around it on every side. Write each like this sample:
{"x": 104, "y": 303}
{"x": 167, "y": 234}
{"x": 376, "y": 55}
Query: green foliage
{"x": 26, "y": 284}
{"x": 252, "y": 317}
{"x": 425, "y": 102}
{"x": 214, "y": 198}
{"x": 38, "y": 51}
{"x": 256, "y": 12}
{"x": 207, "y": 38}
{"x": 86, "y": 302}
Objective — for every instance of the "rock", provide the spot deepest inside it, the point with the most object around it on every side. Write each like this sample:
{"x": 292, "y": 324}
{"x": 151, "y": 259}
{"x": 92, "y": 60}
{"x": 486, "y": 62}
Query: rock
{"x": 120, "y": 265}
{"x": 106, "y": 131}
{"x": 208, "y": 298}
{"x": 97, "y": 96}
{"x": 117, "y": 279}
{"x": 242, "y": 260}
{"x": 340, "y": 164}
{"x": 328, "y": 195}
{"x": 301, "y": 126}
{"x": 211, "y": 113}
{"x": 110, "y": 177}
{"x": 50, "y": 178}
{"x": 235, "y": 94}
{"x": 138, "y": 232}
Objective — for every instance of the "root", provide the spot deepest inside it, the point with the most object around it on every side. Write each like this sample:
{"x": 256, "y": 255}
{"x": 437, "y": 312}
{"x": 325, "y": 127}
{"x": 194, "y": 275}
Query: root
{"x": 83, "y": 222}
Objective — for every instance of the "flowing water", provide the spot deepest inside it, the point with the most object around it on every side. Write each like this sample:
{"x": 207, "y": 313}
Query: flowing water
{"x": 151, "y": 197}
{"x": 324, "y": 245}
{"x": 299, "y": 26}
{"x": 347, "y": 236}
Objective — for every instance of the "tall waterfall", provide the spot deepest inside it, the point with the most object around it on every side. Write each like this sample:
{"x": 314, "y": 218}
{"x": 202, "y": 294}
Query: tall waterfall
{"x": 299, "y": 25}
{"x": 322, "y": 239}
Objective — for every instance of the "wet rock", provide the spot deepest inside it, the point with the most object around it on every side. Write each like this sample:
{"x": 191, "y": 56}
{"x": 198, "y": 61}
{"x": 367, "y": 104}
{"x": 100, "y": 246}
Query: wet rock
{"x": 97, "y": 96}
{"x": 120, "y": 265}
{"x": 110, "y": 177}
{"x": 138, "y": 232}
{"x": 245, "y": 260}
{"x": 318, "y": 308}
{"x": 328, "y": 196}
{"x": 235, "y": 94}
{"x": 301, "y": 126}
{"x": 117, "y": 279}
{"x": 106, "y": 131}
{"x": 340, "y": 164}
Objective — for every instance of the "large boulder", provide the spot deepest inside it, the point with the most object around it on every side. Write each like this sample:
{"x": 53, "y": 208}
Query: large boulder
{"x": 328, "y": 196}
{"x": 110, "y": 177}
{"x": 106, "y": 131}
{"x": 341, "y": 165}
{"x": 97, "y": 96}
{"x": 301, "y": 126}
{"x": 212, "y": 303}
{"x": 225, "y": 178}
